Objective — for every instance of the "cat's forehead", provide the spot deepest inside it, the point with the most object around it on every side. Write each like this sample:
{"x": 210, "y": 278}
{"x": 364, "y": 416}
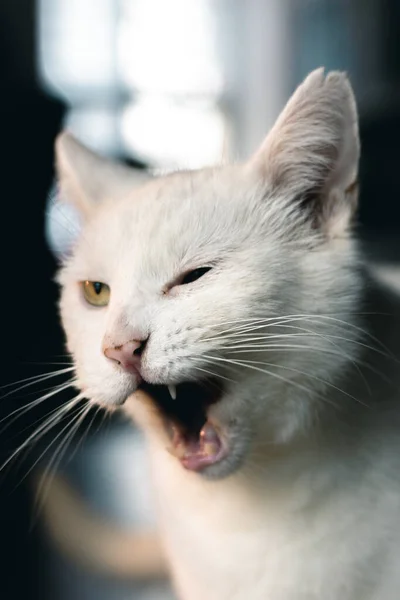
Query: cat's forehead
{"x": 172, "y": 222}
{"x": 194, "y": 191}
{"x": 195, "y": 201}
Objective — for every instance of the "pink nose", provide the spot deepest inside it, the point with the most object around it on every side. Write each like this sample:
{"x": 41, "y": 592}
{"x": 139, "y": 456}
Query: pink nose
{"x": 127, "y": 355}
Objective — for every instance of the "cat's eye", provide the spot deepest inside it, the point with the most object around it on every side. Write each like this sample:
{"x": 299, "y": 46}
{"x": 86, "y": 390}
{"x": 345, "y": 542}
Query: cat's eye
{"x": 194, "y": 275}
{"x": 96, "y": 293}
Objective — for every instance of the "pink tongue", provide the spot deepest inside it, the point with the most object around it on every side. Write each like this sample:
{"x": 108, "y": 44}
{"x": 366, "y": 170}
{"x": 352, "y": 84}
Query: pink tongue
{"x": 196, "y": 454}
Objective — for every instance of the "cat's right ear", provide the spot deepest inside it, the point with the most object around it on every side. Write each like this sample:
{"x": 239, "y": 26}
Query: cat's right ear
{"x": 86, "y": 179}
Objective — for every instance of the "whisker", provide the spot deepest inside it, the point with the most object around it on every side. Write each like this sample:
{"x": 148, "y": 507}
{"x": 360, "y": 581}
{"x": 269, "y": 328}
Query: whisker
{"x": 75, "y": 415}
{"x": 246, "y": 348}
{"x": 285, "y": 380}
{"x": 266, "y": 372}
{"x": 291, "y": 347}
{"x": 52, "y": 411}
{"x": 213, "y": 374}
{"x": 42, "y": 390}
{"x": 58, "y": 455}
{"x": 104, "y": 413}
{"x": 334, "y": 337}
{"x": 253, "y": 325}
{"x": 34, "y": 380}
{"x": 298, "y": 371}
{"x": 360, "y": 329}
{"x": 23, "y": 409}
{"x": 36, "y": 362}
{"x": 83, "y": 437}
{"x": 54, "y": 210}
{"x": 245, "y": 331}
{"x": 325, "y": 337}
{"x": 42, "y": 429}
{"x": 259, "y": 323}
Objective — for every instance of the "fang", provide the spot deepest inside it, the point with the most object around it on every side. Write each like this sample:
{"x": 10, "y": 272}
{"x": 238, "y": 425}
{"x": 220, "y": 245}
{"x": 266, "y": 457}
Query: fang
{"x": 172, "y": 391}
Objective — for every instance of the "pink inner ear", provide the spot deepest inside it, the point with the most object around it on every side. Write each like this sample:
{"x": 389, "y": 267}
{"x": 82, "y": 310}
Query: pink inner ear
{"x": 63, "y": 225}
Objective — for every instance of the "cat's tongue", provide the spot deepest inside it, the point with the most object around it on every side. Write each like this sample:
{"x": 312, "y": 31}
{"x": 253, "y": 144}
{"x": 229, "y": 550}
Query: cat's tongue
{"x": 196, "y": 453}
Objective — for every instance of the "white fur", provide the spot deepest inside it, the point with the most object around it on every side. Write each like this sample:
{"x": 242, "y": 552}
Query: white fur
{"x": 306, "y": 504}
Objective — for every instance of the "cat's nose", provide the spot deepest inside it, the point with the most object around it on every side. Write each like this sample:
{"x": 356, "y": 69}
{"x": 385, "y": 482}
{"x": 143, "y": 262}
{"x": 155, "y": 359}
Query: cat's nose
{"x": 127, "y": 355}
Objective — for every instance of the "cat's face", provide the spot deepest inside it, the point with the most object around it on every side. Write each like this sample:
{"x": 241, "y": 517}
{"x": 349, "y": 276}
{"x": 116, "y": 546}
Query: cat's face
{"x": 206, "y": 272}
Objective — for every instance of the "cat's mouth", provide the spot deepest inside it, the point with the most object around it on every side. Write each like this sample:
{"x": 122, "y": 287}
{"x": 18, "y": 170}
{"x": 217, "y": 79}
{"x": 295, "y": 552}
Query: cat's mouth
{"x": 195, "y": 440}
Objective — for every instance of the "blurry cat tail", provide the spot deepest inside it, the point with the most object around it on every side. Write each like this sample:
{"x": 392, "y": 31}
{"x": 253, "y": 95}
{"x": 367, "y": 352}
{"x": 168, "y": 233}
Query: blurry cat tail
{"x": 87, "y": 539}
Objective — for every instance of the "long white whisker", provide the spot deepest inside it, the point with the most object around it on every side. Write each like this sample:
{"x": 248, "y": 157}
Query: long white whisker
{"x": 252, "y": 324}
{"x": 246, "y": 348}
{"x": 295, "y": 347}
{"x": 325, "y": 337}
{"x": 244, "y": 333}
{"x": 34, "y": 380}
{"x": 213, "y": 374}
{"x": 44, "y": 452}
{"x": 23, "y": 409}
{"x": 357, "y": 328}
{"x": 55, "y": 462}
{"x": 46, "y": 389}
{"x": 267, "y": 372}
{"x": 298, "y": 371}
{"x": 42, "y": 429}
{"x": 69, "y": 363}
{"x": 330, "y": 336}
{"x": 83, "y": 437}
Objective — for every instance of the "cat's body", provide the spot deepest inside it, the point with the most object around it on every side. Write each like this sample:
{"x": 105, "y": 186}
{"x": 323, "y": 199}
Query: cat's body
{"x": 285, "y": 482}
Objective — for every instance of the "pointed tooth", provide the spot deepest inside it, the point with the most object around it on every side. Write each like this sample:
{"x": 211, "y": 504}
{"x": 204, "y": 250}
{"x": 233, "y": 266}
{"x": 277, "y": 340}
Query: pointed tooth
{"x": 172, "y": 391}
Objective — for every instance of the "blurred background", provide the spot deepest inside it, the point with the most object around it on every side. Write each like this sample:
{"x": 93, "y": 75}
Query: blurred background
{"x": 159, "y": 84}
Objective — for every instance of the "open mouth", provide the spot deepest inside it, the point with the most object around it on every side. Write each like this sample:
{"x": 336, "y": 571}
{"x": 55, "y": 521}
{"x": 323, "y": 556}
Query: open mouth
{"x": 196, "y": 442}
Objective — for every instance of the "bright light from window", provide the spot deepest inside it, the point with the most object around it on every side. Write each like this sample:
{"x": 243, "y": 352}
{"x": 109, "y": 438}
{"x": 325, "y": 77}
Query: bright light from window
{"x": 170, "y": 134}
{"x": 144, "y": 72}
{"x": 169, "y": 47}
{"x": 96, "y": 126}
{"x": 77, "y": 45}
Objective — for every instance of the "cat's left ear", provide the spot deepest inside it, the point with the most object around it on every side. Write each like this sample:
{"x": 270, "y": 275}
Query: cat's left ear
{"x": 85, "y": 178}
{"x": 311, "y": 154}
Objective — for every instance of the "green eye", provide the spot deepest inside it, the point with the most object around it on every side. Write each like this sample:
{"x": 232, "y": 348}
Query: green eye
{"x": 96, "y": 293}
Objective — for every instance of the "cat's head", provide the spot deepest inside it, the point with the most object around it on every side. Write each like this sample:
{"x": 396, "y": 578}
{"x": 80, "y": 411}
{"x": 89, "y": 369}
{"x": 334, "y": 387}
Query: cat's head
{"x": 220, "y": 292}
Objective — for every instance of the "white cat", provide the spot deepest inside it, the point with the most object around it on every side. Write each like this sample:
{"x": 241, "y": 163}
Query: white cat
{"x": 227, "y": 310}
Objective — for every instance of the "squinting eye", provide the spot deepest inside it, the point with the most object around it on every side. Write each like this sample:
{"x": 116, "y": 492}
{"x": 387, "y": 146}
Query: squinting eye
{"x": 96, "y": 293}
{"x": 194, "y": 275}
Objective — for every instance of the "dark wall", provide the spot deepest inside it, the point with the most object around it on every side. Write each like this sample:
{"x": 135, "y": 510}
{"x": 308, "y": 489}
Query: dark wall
{"x": 380, "y": 132}
{"x": 29, "y": 121}
{"x": 362, "y": 38}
